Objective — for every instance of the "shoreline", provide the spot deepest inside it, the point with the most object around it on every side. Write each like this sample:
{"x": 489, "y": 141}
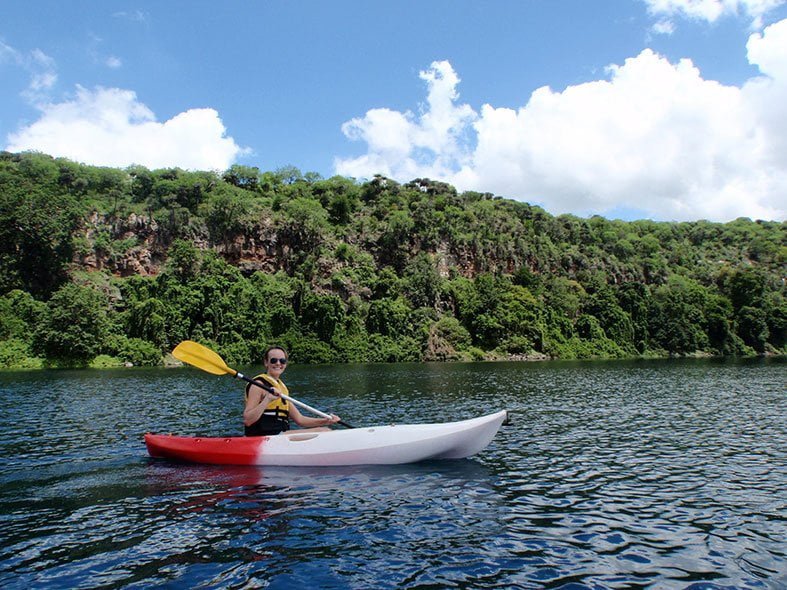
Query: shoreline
{"x": 169, "y": 362}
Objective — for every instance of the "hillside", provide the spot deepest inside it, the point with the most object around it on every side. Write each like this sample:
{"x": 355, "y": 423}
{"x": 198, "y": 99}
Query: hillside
{"x": 123, "y": 264}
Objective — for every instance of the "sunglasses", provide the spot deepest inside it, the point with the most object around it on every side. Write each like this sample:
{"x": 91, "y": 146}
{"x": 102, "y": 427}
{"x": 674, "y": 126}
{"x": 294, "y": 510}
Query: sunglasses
{"x": 273, "y": 361}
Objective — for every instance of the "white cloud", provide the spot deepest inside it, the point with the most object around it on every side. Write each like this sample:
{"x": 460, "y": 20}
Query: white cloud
{"x": 664, "y": 27}
{"x": 709, "y": 10}
{"x": 110, "y": 127}
{"x": 40, "y": 67}
{"x": 652, "y": 136}
{"x": 767, "y": 97}
{"x": 137, "y": 16}
{"x": 402, "y": 144}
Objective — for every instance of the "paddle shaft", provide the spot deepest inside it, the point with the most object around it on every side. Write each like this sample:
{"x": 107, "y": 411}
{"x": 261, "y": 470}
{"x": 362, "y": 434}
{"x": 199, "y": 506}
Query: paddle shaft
{"x": 300, "y": 404}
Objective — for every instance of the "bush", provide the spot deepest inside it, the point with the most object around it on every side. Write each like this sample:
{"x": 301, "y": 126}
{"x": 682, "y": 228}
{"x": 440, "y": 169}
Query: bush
{"x": 352, "y": 349}
{"x": 75, "y": 326}
{"x": 15, "y": 354}
{"x": 18, "y": 312}
{"x": 518, "y": 345}
{"x": 235, "y": 353}
{"x": 447, "y": 338}
{"x": 136, "y": 351}
{"x": 307, "y": 349}
{"x": 104, "y": 361}
{"x": 384, "y": 349}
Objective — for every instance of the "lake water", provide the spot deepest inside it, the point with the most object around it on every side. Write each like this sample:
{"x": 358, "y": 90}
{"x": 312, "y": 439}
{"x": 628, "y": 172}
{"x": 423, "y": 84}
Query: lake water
{"x": 661, "y": 474}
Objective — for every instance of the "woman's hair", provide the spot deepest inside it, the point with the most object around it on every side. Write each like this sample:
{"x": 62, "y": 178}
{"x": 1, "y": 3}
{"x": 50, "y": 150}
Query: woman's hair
{"x": 267, "y": 350}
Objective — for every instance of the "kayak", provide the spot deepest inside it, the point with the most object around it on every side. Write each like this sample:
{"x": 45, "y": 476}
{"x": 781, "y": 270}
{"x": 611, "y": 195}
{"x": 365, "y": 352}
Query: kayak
{"x": 376, "y": 445}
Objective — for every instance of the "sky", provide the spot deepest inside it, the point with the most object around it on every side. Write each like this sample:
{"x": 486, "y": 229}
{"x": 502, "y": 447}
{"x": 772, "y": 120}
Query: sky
{"x": 671, "y": 110}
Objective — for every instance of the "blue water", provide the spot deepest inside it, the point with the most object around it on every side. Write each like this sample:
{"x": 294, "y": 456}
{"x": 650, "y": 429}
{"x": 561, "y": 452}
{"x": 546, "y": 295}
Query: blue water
{"x": 659, "y": 474}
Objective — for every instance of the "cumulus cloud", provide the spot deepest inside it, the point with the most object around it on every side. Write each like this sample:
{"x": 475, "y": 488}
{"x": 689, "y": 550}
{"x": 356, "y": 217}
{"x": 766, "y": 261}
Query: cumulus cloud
{"x": 653, "y": 136}
{"x": 708, "y": 10}
{"x": 401, "y": 144}
{"x": 111, "y": 127}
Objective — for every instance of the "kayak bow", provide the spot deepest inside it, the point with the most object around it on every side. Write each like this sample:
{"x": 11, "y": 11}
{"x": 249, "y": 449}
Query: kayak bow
{"x": 376, "y": 445}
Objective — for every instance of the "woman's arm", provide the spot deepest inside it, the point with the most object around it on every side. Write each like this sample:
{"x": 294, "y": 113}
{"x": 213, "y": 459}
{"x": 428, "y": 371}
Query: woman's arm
{"x": 308, "y": 421}
{"x": 256, "y": 402}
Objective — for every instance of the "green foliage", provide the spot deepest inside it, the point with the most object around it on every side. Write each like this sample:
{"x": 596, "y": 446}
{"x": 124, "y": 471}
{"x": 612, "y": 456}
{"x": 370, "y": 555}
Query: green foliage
{"x": 377, "y": 271}
{"x": 37, "y": 220}
{"x": 104, "y": 361}
{"x": 74, "y": 326}
{"x": 448, "y": 340}
{"x": 303, "y": 221}
{"x": 322, "y": 315}
{"x": 753, "y": 327}
{"x": 422, "y": 282}
{"x": 225, "y": 213}
{"x": 245, "y": 177}
{"x": 388, "y": 317}
{"x": 18, "y": 312}
{"x": 676, "y": 318}
{"x": 16, "y": 354}
{"x": 138, "y": 352}
{"x": 183, "y": 261}
{"x": 308, "y": 349}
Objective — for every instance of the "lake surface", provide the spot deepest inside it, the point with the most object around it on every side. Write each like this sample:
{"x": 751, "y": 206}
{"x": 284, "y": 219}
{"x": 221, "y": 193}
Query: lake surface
{"x": 661, "y": 474}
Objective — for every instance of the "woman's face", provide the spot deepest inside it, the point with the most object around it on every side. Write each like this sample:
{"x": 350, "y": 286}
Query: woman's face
{"x": 276, "y": 362}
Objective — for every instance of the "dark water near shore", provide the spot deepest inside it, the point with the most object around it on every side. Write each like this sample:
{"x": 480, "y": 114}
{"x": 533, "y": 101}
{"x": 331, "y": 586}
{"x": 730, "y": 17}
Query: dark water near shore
{"x": 662, "y": 474}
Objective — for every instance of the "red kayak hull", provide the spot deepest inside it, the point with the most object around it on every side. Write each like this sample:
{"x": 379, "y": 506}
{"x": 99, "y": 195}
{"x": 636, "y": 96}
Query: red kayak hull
{"x": 240, "y": 450}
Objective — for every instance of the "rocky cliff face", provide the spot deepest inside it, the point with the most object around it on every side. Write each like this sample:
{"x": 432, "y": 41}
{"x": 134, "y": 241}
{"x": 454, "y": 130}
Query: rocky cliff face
{"x": 138, "y": 245}
{"x": 123, "y": 246}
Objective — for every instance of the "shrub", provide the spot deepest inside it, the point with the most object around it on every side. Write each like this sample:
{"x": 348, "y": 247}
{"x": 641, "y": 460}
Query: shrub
{"x": 15, "y": 354}
{"x": 137, "y": 351}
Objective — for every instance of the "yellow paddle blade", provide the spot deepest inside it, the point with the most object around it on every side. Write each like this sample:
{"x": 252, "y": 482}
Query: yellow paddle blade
{"x": 202, "y": 357}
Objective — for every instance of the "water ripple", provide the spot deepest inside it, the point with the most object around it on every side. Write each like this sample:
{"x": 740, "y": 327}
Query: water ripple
{"x": 612, "y": 475}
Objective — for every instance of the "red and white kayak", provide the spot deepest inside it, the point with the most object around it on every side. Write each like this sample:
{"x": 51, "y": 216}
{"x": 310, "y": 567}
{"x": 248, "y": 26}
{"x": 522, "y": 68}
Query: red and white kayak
{"x": 376, "y": 445}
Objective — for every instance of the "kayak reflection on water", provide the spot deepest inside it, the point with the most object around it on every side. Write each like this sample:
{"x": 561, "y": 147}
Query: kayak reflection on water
{"x": 258, "y": 493}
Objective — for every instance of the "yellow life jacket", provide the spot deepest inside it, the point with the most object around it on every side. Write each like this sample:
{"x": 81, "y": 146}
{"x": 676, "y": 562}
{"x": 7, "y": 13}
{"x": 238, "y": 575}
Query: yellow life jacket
{"x": 276, "y": 416}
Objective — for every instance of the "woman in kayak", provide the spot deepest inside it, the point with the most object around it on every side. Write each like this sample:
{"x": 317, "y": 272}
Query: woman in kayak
{"x": 268, "y": 413}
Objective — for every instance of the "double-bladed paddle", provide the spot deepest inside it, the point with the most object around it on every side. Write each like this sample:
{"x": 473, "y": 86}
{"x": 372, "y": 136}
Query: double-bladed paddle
{"x": 204, "y": 358}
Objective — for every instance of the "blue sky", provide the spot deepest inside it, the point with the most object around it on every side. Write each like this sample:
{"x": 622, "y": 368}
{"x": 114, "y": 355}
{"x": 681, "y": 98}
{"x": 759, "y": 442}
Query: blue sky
{"x": 665, "y": 109}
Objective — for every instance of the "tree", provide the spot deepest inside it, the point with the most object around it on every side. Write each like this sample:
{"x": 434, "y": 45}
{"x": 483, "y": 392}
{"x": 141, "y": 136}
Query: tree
{"x": 184, "y": 259}
{"x": 744, "y": 287}
{"x": 676, "y": 320}
{"x": 753, "y": 327}
{"x": 322, "y": 315}
{"x": 75, "y": 326}
{"x": 422, "y": 281}
{"x": 246, "y": 177}
{"x": 616, "y": 323}
{"x": 303, "y": 225}
{"x": 394, "y": 241}
{"x": 225, "y": 213}
{"x": 37, "y": 220}
{"x": 19, "y": 313}
{"x": 388, "y": 317}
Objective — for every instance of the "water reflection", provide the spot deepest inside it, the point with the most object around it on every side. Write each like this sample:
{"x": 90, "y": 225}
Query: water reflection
{"x": 331, "y": 517}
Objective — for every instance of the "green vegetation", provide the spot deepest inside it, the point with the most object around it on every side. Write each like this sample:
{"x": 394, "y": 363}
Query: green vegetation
{"x": 104, "y": 267}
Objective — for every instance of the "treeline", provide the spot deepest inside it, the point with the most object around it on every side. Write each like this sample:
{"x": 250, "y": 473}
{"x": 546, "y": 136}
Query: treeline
{"x": 104, "y": 266}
